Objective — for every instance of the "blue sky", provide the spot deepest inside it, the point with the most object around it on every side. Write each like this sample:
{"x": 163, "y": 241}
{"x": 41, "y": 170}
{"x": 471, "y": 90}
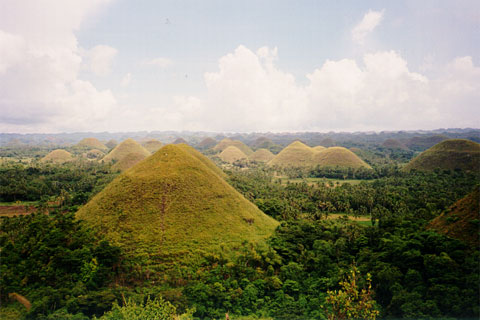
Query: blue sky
{"x": 198, "y": 65}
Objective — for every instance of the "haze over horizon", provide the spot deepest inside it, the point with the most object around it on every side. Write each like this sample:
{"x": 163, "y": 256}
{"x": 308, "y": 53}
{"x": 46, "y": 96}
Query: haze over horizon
{"x": 118, "y": 66}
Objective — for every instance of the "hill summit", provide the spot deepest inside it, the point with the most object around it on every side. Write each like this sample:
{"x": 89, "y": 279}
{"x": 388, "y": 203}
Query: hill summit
{"x": 448, "y": 155}
{"x": 232, "y": 154}
{"x": 173, "y": 205}
{"x": 58, "y": 156}
{"x": 91, "y": 143}
{"x": 261, "y": 155}
{"x": 123, "y": 149}
{"x": 338, "y": 157}
{"x": 225, "y": 143}
{"x": 296, "y": 154}
{"x": 152, "y": 145}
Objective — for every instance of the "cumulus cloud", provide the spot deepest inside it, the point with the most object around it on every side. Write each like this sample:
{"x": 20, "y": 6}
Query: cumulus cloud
{"x": 39, "y": 65}
{"x": 100, "y": 59}
{"x": 159, "y": 62}
{"x": 250, "y": 93}
{"x": 126, "y": 80}
{"x": 369, "y": 22}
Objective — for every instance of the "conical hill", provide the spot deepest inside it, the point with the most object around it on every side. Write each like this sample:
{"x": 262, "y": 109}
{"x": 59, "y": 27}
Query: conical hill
{"x": 91, "y": 143}
{"x": 225, "y": 143}
{"x": 318, "y": 148}
{"x": 172, "y": 206}
{"x": 295, "y": 154}
{"x": 460, "y": 221}
{"x": 123, "y": 149}
{"x": 393, "y": 144}
{"x": 207, "y": 143}
{"x": 338, "y": 157}
{"x": 58, "y": 156}
{"x": 232, "y": 154}
{"x": 448, "y": 155}
{"x": 261, "y": 155}
{"x": 128, "y": 161}
{"x": 152, "y": 145}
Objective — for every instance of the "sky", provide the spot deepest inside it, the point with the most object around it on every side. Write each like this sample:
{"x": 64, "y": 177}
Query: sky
{"x": 238, "y": 66}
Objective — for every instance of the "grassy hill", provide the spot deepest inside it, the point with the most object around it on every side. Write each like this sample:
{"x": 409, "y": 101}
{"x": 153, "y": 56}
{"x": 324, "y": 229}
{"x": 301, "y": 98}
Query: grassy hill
{"x": 261, "y": 155}
{"x": 112, "y": 143}
{"x": 128, "y": 161}
{"x": 152, "y": 145}
{"x": 91, "y": 143}
{"x": 423, "y": 143}
{"x": 123, "y": 149}
{"x": 58, "y": 156}
{"x": 95, "y": 154}
{"x": 232, "y": 154}
{"x": 449, "y": 155}
{"x": 393, "y": 144}
{"x": 338, "y": 157}
{"x": 318, "y": 148}
{"x": 225, "y": 143}
{"x": 295, "y": 154}
{"x": 461, "y": 221}
{"x": 179, "y": 141}
{"x": 173, "y": 206}
{"x": 207, "y": 143}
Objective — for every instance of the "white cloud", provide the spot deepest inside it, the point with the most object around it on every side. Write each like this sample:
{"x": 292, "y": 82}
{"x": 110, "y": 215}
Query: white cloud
{"x": 39, "y": 66}
{"x": 369, "y": 22}
{"x": 100, "y": 59}
{"x": 250, "y": 93}
{"x": 126, "y": 80}
{"x": 159, "y": 62}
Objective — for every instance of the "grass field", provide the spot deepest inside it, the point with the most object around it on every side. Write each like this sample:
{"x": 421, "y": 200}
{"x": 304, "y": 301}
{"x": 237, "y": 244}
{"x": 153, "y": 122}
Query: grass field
{"x": 363, "y": 220}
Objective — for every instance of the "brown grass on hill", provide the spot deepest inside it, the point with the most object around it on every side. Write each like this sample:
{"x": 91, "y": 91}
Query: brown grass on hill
{"x": 152, "y": 145}
{"x": 338, "y": 157}
{"x": 232, "y": 154}
{"x": 448, "y": 155}
{"x": 207, "y": 143}
{"x": 112, "y": 143}
{"x": 462, "y": 220}
{"x": 295, "y": 154}
{"x": 261, "y": 155}
{"x": 394, "y": 144}
{"x": 128, "y": 161}
{"x": 58, "y": 156}
{"x": 179, "y": 141}
{"x": 318, "y": 148}
{"x": 123, "y": 149}
{"x": 225, "y": 143}
{"x": 91, "y": 143}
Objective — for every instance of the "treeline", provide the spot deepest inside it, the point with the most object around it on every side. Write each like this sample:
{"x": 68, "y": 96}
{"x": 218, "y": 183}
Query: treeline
{"x": 75, "y": 182}
{"x": 425, "y": 194}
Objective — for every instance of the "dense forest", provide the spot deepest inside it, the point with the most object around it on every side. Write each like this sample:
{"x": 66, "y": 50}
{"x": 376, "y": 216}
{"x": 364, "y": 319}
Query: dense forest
{"x": 351, "y": 243}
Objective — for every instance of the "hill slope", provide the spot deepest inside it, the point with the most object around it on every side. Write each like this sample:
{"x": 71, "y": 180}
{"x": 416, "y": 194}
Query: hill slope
{"x": 91, "y": 143}
{"x": 393, "y": 144}
{"x": 58, "y": 156}
{"x": 448, "y": 155}
{"x": 123, "y": 149}
{"x": 295, "y": 154}
{"x": 338, "y": 157}
{"x": 461, "y": 219}
{"x": 232, "y": 154}
{"x": 207, "y": 143}
{"x": 128, "y": 161}
{"x": 261, "y": 155}
{"x": 173, "y": 205}
{"x": 152, "y": 145}
{"x": 225, "y": 143}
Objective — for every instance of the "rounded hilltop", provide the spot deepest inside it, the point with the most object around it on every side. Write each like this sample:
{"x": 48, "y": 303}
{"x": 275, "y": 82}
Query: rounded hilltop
{"x": 338, "y": 157}
{"x": 232, "y": 154}
{"x": 152, "y": 145}
{"x": 448, "y": 155}
{"x": 261, "y": 155}
{"x": 174, "y": 205}
{"x": 58, "y": 156}
{"x": 123, "y": 149}
{"x": 225, "y": 143}
{"x": 296, "y": 154}
{"x": 91, "y": 143}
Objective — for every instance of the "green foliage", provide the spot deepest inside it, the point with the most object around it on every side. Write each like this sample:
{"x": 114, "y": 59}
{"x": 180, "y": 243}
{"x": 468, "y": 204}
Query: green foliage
{"x": 351, "y": 302}
{"x": 156, "y": 309}
{"x": 55, "y": 262}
